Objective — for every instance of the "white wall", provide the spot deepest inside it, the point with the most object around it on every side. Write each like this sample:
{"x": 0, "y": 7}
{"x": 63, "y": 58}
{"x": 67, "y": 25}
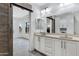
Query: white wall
{"x": 71, "y": 21}
{"x": 66, "y": 21}
{"x": 76, "y": 22}
{"x": 74, "y": 10}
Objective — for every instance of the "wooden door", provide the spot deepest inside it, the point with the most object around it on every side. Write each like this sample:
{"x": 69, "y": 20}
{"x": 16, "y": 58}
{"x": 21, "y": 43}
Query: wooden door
{"x": 5, "y": 29}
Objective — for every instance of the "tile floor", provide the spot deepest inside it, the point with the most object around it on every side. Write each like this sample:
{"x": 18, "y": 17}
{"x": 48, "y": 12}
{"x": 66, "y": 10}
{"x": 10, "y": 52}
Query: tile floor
{"x": 21, "y": 48}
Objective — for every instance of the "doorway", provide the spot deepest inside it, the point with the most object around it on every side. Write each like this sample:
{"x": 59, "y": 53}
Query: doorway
{"x": 21, "y": 31}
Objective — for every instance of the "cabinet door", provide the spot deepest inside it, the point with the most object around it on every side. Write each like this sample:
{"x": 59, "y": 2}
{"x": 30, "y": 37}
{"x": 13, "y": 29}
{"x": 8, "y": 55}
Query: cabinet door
{"x": 53, "y": 47}
{"x": 58, "y": 47}
{"x": 42, "y": 44}
{"x": 77, "y": 48}
{"x": 70, "y": 48}
{"x": 48, "y": 46}
{"x": 37, "y": 42}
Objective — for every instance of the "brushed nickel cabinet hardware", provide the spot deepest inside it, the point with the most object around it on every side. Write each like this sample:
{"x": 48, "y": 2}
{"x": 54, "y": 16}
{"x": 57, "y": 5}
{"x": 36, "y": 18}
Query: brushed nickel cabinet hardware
{"x": 39, "y": 39}
{"x": 61, "y": 44}
{"x": 64, "y": 45}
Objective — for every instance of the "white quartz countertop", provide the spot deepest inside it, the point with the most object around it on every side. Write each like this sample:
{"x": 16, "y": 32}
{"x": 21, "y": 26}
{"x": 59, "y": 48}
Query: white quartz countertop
{"x": 60, "y": 36}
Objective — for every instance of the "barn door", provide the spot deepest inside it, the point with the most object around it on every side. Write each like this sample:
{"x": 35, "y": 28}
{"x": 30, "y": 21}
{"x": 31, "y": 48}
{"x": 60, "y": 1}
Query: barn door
{"x": 5, "y": 29}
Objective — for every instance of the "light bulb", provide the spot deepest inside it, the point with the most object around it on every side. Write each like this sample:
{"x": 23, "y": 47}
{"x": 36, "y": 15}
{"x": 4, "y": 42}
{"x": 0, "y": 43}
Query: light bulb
{"x": 61, "y": 4}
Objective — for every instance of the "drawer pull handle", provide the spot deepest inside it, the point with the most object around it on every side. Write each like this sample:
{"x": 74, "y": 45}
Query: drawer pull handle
{"x": 61, "y": 44}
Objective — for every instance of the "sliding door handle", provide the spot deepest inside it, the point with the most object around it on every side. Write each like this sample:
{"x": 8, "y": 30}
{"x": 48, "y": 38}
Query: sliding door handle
{"x": 39, "y": 39}
{"x": 64, "y": 45}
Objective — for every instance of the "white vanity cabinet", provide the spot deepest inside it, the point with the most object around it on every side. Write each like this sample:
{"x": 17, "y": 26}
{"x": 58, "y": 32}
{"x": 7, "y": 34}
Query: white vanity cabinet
{"x": 44, "y": 45}
{"x": 52, "y": 46}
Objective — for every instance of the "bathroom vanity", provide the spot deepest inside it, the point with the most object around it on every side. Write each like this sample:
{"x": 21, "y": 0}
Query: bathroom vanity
{"x": 57, "y": 44}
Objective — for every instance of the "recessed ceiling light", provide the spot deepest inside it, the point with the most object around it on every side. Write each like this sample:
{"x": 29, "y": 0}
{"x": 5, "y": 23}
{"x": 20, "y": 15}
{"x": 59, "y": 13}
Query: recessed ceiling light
{"x": 61, "y": 4}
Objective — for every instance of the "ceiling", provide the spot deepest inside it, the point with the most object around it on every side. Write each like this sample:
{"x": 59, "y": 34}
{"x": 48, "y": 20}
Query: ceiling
{"x": 58, "y": 8}
{"x": 44, "y": 5}
{"x": 41, "y": 4}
